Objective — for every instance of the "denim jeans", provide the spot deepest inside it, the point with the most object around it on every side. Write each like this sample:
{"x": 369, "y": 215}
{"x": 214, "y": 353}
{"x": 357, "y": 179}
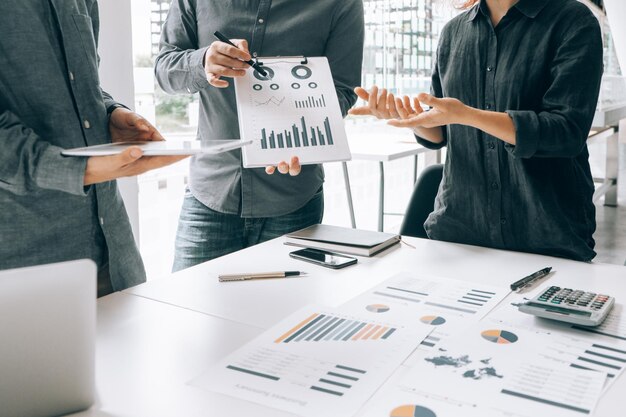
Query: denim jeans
{"x": 204, "y": 234}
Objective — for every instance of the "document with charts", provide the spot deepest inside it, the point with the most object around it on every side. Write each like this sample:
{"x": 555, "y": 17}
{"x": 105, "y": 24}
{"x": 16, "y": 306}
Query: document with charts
{"x": 441, "y": 304}
{"x": 499, "y": 370}
{"x": 293, "y": 111}
{"x": 317, "y": 362}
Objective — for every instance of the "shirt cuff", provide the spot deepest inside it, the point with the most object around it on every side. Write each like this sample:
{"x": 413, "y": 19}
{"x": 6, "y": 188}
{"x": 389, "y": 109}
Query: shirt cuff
{"x": 57, "y": 172}
{"x": 432, "y": 145}
{"x": 196, "y": 63}
{"x": 527, "y": 131}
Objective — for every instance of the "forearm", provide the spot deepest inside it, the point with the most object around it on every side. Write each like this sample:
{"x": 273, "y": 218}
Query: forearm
{"x": 499, "y": 125}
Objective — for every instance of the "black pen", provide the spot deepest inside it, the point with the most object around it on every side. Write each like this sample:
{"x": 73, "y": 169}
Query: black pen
{"x": 530, "y": 278}
{"x": 252, "y": 63}
{"x": 261, "y": 275}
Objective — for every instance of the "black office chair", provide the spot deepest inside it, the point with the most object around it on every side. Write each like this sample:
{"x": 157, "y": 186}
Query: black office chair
{"x": 422, "y": 202}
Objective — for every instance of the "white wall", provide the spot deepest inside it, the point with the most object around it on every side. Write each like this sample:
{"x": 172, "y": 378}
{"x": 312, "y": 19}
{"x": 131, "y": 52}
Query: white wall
{"x": 116, "y": 76}
{"x": 616, "y": 13}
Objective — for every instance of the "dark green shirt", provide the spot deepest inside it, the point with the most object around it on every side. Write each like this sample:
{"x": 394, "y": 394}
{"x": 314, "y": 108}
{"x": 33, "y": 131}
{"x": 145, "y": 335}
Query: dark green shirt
{"x": 542, "y": 65}
{"x": 50, "y": 99}
{"x": 330, "y": 28}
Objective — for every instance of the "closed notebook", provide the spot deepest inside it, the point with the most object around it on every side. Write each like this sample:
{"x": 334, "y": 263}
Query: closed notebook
{"x": 342, "y": 239}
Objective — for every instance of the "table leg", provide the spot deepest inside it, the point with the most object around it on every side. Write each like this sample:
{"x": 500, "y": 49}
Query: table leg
{"x": 346, "y": 180}
{"x": 381, "y": 198}
{"x": 415, "y": 162}
{"x": 612, "y": 168}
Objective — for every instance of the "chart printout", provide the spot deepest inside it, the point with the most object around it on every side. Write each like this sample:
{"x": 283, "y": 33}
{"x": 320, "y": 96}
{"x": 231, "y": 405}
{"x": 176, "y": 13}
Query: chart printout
{"x": 317, "y": 362}
{"x": 442, "y": 304}
{"x": 503, "y": 371}
{"x": 293, "y": 111}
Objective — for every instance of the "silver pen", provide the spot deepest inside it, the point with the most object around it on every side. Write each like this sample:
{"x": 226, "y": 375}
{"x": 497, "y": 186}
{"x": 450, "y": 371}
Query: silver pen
{"x": 260, "y": 275}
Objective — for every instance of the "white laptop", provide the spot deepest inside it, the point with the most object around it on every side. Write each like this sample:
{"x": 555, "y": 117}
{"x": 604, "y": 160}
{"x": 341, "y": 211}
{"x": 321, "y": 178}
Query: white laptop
{"x": 47, "y": 339}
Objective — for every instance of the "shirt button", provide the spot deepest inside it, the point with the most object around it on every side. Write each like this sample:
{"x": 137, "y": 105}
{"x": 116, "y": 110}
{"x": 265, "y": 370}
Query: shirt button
{"x": 488, "y": 106}
{"x": 494, "y": 185}
{"x": 503, "y": 221}
{"x": 491, "y": 145}
{"x": 71, "y": 76}
{"x": 489, "y": 68}
{"x": 86, "y": 124}
{"x": 101, "y": 221}
{"x": 261, "y": 20}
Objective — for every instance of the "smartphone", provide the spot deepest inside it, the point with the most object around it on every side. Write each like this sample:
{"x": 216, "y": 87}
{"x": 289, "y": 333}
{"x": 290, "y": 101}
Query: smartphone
{"x": 323, "y": 258}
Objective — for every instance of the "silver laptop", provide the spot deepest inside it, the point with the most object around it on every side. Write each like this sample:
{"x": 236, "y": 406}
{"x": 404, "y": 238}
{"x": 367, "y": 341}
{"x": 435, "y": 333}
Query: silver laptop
{"x": 47, "y": 339}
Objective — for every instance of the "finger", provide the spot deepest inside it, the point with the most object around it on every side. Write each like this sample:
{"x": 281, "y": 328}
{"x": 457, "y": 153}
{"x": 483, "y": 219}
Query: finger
{"x": 393, "y": 111}
{"x": 228, "y": 62}
{"x": 242, "y": 44}
{"x": 128, "y": 157}
{"x": 270, "y": 170}
{"x": 429, "y": 100}
{"x": 215, "y": 81}
{"x": 360, "y": 111}
{"x": 231, "y": 51}
{"x": 362, "y": 93}
{"x": 283, "y": 167}
{"x": 404, "y": 114}
{"x": 417, "y": 106}
{"x": 222, "y": 71}
{"x": 406, "y": 101}
{"x": 294, "y": 166}
{"x": 381, "y": 105}
{"x": 373, "y": 99}
{"x": 402, "y": 123}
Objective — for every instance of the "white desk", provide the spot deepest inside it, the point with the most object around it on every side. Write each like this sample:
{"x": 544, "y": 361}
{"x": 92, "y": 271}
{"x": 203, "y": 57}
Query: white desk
{"x": 153, "y": 338}
{"x": 379, "y": 143}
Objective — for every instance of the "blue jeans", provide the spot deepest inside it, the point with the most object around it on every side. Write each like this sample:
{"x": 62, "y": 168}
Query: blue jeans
{"x": 204, "y": 234}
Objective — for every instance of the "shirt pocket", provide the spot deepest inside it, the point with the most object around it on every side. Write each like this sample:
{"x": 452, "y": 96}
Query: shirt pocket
{"x": 84, "y": 26}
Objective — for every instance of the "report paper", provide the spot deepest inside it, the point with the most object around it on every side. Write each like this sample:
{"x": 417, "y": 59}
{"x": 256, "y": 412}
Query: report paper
{"x": 293, "y": 111}
{"x": 504, "y": 370}
{"x": 443, "y": 305}
{"x": 317, "y": 362}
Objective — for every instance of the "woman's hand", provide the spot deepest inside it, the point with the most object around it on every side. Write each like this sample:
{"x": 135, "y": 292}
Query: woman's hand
{"x": 443, "y": 111}
{"x": 125, "y": 125}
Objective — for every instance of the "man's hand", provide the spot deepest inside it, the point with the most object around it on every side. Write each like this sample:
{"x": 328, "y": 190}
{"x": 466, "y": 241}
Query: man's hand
{"x": 126, "y": 164}
{"x": 224, "y": 60}
{"x": 125, "y": 125}
{"x": 292, "y": 168}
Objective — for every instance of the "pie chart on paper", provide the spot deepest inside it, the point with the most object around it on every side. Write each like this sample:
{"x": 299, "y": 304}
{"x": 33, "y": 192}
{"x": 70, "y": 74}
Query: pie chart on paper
{"x": 433, "y": 320}
{"x": 501, "y": 337}
{"x": 377, "y": 308}
{"x": 412, "y": 411}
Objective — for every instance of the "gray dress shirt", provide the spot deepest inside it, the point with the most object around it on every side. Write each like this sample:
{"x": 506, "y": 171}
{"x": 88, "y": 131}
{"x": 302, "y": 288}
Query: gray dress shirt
{"x": 328, "y": 28}
{"x": 50, "y": 99}
{"x": 542, "y": 65}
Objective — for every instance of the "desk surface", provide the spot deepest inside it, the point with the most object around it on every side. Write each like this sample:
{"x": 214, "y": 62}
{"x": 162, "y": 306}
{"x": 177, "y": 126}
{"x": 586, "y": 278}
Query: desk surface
{"x": 154, "y": 338}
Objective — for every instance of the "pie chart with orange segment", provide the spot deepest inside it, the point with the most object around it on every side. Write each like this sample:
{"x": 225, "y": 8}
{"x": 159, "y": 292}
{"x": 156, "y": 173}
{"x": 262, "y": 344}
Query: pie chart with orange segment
{"x": 501, "y": 337}
{"x": 377, "y": 308}
{"x": 433, "y": 320}
{"x": 412, "y": 411}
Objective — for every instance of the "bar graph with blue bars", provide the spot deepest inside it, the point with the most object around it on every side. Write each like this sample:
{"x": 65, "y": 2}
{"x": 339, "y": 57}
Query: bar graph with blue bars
{"x": 327, "y": 328}
{"x": 301, "y": 135}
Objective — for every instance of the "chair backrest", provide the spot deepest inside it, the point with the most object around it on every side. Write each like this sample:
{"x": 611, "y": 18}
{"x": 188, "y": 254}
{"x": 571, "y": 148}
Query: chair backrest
{"x": 422, "y": 202}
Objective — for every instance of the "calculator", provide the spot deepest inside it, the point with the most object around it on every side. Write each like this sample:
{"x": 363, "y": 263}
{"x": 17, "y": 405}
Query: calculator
{"x": 573, "y": 306}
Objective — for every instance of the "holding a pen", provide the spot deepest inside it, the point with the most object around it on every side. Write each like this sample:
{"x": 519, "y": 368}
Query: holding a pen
{"x": 231, "y": 58}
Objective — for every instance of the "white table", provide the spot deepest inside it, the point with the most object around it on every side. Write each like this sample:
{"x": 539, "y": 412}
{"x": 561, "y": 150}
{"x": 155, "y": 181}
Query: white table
{"x": 380, "y": 147}
{"x": 156, "y": 337}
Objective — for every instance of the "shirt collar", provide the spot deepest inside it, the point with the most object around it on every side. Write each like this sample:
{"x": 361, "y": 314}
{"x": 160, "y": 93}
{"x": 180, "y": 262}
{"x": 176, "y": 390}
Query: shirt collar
{"x": 529, "y": 8}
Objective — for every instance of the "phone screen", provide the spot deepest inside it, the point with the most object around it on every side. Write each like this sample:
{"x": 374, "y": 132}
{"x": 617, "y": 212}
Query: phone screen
{"x": 329, "y": 259}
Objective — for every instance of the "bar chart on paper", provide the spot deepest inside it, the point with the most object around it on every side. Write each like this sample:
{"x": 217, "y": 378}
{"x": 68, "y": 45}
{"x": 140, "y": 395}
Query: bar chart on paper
{"x": 293, "y": 111}
{"x": 319, "y": 361}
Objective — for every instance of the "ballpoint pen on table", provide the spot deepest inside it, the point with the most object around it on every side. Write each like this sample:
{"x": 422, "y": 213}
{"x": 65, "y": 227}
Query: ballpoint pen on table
{"x": 262, "y": 275}
{"x": 251, "y": 62}
{"x": 530, "y": 278}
